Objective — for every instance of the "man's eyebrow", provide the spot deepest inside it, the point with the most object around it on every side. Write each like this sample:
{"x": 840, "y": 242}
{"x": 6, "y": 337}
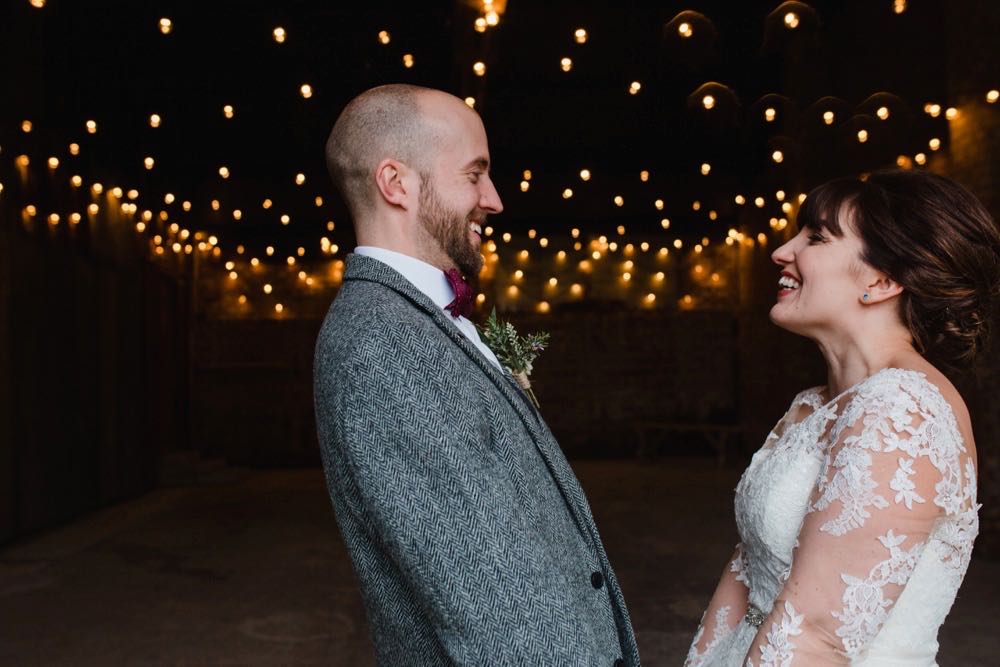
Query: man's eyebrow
{"x": 479, "y": 163}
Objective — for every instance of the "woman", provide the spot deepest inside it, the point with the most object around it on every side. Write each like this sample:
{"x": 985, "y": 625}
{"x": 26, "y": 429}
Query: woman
{"x": 858, "y": 514}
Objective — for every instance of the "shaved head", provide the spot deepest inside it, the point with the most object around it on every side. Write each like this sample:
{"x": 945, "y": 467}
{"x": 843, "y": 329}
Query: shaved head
{"x": 383, "y": 122}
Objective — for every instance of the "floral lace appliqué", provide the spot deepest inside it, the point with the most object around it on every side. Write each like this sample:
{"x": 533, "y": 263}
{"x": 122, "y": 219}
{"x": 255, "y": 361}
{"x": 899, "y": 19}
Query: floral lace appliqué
{"x": 865, "y": 605}
{"x": 697, "y": 658}
{"x": 779, "y": 649}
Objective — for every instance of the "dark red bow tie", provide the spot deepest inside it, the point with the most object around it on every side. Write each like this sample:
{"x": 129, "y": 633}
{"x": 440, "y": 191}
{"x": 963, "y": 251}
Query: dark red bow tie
{"x": 462, "y": 305}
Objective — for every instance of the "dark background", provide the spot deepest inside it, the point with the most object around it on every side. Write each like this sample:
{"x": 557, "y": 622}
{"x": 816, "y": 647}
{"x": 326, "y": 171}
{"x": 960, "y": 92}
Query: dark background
{"x": 122, "y": 369}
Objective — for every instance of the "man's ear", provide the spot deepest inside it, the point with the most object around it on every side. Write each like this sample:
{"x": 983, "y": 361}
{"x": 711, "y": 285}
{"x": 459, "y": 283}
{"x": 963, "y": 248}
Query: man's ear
{"x": 394, "y": 182}
{"x": 881, "y": 288}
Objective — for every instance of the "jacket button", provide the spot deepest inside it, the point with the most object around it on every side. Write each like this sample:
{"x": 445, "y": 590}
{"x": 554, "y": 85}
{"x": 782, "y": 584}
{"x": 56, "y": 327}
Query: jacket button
{"x": 619, "y": 663}
{"x": 597, "y": 580}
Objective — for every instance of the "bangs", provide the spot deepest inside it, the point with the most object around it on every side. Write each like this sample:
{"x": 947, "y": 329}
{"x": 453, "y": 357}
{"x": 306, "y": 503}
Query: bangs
{"x": 822, "y": 207}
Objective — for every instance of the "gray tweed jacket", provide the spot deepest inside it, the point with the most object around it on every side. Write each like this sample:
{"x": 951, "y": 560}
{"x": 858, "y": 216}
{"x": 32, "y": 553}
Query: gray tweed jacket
{"x": 469, "y": 533}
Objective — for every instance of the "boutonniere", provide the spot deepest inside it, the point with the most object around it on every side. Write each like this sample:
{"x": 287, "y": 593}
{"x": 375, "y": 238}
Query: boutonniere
{"x": 515, "y": 352}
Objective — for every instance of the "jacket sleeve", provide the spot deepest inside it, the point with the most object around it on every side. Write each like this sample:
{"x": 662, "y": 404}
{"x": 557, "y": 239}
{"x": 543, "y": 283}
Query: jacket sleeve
{"x": 415, "y": 452}
{"x": 893, "y": 471}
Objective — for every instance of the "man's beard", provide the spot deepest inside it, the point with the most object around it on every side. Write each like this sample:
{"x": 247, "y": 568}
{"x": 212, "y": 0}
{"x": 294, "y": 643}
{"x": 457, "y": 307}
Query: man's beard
{"x": 450, "y": 230}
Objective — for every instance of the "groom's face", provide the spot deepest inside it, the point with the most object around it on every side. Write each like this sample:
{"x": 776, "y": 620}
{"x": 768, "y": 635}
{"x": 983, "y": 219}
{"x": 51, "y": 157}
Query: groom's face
{"x": 452, "y": 228}
{"x": 457, "y": 193}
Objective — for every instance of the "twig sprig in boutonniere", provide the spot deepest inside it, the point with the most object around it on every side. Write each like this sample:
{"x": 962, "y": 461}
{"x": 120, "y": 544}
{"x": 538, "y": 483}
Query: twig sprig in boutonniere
{"x": 515, "y": 352}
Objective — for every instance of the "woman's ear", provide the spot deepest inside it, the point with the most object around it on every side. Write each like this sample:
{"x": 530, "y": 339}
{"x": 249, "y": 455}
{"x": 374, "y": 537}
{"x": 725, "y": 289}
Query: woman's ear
{"x": 882, "y": 288}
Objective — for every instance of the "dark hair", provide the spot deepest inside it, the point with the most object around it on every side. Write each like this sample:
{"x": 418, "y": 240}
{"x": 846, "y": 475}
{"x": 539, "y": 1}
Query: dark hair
{"x": 935, "y": 239}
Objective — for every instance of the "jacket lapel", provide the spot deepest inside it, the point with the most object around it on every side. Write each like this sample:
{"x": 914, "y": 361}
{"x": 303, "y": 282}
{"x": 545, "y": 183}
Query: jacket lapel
{"x": 371, "y": 270}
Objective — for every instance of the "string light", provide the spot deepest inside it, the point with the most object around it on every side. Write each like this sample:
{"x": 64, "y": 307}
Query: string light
{"x": 992, "y": 96}
{"x": 899, "y": 6}
{"x": 37, "y": 4}
{"x": 644, "y": 176}
{"x": 479, "y": 68}
{"x": 619, "y": 201}
{"x": 951, "y": 113}
{"x": 934, "y": 144}
{"x": 300, "y": 179}
{"x": 279, "y": 35}
{"x": 480, "y": 24}
{"x": 769, "y": 114}
{"x": 862, "y": 136}
{"x": 154, "y": 120}
{"x": 408, "y": 60}
{"x": 384, "y": 37}
{"x": 567, "y": 193}
{"x": 777, "y": 156}
{"x": 792, "y": 20}
{"x": 932, "y": 110}
{"x": 634, "y": 88}
{"x": 706, "y": 169}
{"x": 166, "y": 26}
{"x": 580, "y": 35}
{"x": 883, "y": 113}
{"x": 470, "y": 102}
{"x": 584, "y": 174}
{"x": 828, "y": 117}
{"x": 224, "y": 172}
{"x": 684, "y": 30}
{"x": 91, "y": 127}
{"x": 228, "y": 111}
{"x": 306, "y": 90}
{"x": 566, "y": 64}
{"x": 708, "y": 101}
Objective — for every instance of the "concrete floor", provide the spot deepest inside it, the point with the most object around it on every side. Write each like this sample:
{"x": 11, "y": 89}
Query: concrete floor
{"x": 249, "y": 570}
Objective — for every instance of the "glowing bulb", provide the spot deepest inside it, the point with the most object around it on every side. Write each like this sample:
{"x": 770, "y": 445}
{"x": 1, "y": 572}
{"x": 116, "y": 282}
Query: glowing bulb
{"x": 862, "y": 136}
{"x": 285, "y": 219}
{"x": 828, "y": 117}
{"x": 920, "y": 158}
{"x": 708, "y": 101}
{"x": 643, "y": 175}
{"x": 154, "y": 120}
{"x": 91, "y": 127}
{"x": 634, "y": 88}
{"x": 706, "y": 168}
{"x": 480, "y": 24}
{"x": 759, "y": 202}
{"x": 470, "y": 102}
{"x": 224, "y": 172}
{"x": 279, "y": 35}
{"x": 665, "y": 223}
{"x": 566, "y": 64}
{"x": 278, "y": 308}
{"x": 951, "y": 113}
{"x": 934, "y": 144}
{"x": 580, "y": 35}
{"x": 53, "y": 163}
{"x": 408, "y": 60}
{"x": 992, "y": 96}
{"x": 792, "y": 20}
{"x": 525, "y": 185}
{"x": 74, "y": 149}
{"x": 384, "y": 37}
{"x": 26, "y": 126}
{"x": 567, "y": 193}
{"x": 306, "y": 90}
{"x": 932, "y": 110}
{"x": 479, "y": 68}
{"x": 166, "y": 25}
{"x": 619, "y": 200}
{"x": 777, "y": 156}
{"x": 492, "y": 18}
{"x": 658, "y": 204}
{"x": 684, "y": 30}
{"x": 228, "y": 111}
{"x": 584, "y": 174}
{"x": 899, "y": 6}
{"x": 37, "y": 4}
{"x": 769, "y": 114}
{"x": 740, "y": 200}
{"x": 883, "y": 113}
{"x": 300, "y": 178}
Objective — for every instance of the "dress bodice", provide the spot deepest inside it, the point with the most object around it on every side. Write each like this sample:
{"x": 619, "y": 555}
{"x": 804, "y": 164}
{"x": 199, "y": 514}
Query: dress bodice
{"x": 857, "y": 516}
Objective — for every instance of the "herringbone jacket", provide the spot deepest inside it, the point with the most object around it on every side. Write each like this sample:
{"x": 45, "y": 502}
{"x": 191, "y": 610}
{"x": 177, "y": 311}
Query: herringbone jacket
{"x": 470, "y": 535}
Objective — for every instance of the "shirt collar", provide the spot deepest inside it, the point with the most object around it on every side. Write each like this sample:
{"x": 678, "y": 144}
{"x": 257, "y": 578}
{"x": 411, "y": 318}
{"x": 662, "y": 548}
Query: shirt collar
{"x": 425, "y": 277}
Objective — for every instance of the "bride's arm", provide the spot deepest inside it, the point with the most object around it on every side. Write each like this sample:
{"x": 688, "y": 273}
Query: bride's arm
{"x": 727, "y": 607}
{"x": 888, "y": 478}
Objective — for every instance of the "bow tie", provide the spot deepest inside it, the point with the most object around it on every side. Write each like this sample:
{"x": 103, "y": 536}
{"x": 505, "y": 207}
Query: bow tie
{"x": 462, "y": 305}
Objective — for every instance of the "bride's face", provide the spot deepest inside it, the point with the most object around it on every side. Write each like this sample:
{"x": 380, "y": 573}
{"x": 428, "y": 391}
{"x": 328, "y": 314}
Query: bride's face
{"x": 820, "y": 287}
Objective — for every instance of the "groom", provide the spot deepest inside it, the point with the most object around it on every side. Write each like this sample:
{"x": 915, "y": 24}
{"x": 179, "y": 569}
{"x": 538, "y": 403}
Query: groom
{"x": 470, "y": 535}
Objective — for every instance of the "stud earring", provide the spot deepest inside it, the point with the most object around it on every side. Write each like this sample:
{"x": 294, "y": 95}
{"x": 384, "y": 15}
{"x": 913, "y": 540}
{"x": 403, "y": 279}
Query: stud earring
{"x": 865, "y": 296}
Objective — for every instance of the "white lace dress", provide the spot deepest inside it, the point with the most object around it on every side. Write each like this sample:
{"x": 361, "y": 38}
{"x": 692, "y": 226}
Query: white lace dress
{"x": 856, "y": 519}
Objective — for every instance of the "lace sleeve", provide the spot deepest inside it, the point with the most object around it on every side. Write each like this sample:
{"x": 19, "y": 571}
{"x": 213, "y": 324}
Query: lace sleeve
{"x": 897, "y": 464}
{"x": 727, "y": 607}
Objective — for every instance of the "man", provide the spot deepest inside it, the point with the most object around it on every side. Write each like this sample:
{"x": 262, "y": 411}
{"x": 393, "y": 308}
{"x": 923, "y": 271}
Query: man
{"x": 470, "y": 535}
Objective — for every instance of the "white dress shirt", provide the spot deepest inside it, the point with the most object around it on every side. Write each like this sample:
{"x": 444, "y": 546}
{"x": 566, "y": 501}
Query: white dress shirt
{"x": 432, "y": 282}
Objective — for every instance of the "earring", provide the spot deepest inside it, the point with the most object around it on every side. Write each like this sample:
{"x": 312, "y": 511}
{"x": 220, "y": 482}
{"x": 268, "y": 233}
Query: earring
{"x": 864, "y": 297}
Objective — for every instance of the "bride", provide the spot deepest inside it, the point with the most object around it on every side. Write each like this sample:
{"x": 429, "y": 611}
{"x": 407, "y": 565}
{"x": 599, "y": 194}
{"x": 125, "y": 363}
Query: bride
{"x": 858, "y": 514}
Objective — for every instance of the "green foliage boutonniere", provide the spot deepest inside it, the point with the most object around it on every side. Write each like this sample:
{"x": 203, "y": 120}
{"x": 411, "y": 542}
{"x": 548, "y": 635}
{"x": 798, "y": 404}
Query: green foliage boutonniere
{"x": 513, "y": 351}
